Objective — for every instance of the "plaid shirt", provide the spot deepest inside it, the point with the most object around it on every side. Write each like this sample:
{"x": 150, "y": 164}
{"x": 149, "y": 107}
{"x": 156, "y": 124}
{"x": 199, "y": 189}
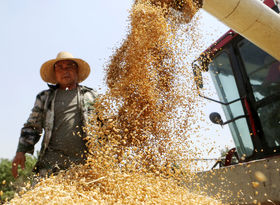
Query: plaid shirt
{"x": 42, "y": 118}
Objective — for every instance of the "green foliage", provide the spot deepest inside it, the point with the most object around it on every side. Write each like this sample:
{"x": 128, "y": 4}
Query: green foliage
{"x": 8, "y": 185}
{"x": 224, "y": 152}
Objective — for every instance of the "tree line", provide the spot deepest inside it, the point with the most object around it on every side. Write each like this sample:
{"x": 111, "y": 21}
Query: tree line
{"x": 8, "y": 185}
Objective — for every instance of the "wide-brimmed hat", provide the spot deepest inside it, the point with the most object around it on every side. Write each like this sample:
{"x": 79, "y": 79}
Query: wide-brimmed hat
{"x": 47, "y": 69}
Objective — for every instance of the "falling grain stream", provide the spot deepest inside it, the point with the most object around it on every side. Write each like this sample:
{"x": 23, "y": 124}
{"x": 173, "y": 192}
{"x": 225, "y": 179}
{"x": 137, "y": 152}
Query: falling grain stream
{"x": 138, "y": 131}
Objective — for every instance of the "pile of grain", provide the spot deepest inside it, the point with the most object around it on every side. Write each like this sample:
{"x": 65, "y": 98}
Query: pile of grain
{"x": 137, "y": 138}
{"x": 81, "y": 185}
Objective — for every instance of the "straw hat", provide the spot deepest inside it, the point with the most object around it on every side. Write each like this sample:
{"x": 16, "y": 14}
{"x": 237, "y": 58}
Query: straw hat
{"x": 47, "y": 69}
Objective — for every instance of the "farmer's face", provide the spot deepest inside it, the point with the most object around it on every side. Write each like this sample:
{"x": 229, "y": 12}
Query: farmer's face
{"x": 66, "y": 73}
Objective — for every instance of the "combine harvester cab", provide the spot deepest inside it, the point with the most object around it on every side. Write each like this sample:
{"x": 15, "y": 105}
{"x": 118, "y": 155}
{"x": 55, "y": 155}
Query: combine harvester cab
{"x": 247, "y": 81}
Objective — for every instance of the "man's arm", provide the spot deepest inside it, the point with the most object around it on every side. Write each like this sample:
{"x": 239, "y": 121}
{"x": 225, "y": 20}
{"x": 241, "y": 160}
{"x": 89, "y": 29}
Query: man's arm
{"x": 30, "y": 134}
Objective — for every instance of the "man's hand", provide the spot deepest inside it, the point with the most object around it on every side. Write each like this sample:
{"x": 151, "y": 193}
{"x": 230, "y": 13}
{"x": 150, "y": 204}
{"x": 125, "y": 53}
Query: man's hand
{"x": 18, "y": 160}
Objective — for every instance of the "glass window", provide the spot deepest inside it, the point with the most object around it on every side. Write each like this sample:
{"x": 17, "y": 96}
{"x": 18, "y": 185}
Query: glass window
{"x": 262, "y": 69}
{"x": 263, "y": 72}
{"x": 224, "y": 81}
{"x": 270, "y": 120}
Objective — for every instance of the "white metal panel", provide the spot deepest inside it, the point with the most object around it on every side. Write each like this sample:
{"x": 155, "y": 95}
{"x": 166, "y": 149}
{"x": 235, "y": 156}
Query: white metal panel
{"x": 251, "y": 19}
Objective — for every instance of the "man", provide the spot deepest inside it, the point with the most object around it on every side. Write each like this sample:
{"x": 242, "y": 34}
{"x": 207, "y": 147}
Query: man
{"x": 61, "y": 112}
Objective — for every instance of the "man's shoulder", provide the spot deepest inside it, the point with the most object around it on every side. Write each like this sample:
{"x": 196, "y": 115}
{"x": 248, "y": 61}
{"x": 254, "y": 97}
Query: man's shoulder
{"x": 45, "y": 93}
{"x": 85, "y": 89}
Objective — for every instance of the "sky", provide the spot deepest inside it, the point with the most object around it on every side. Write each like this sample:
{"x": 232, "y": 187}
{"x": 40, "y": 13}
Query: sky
{"x": 34, "y": 31}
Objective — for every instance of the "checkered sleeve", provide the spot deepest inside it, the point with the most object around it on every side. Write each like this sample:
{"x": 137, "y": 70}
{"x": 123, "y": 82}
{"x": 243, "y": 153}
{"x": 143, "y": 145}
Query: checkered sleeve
{"x": 32, "y": 129}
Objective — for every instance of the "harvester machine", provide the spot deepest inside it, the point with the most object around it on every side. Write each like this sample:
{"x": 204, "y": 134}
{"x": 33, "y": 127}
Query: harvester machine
{"x": 245, "y": 69}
